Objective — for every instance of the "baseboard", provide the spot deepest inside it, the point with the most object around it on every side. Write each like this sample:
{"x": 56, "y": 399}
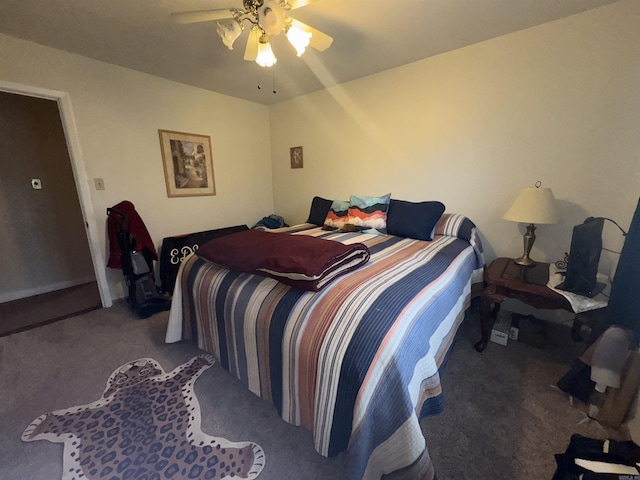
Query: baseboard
{"x": 30, "y": 292}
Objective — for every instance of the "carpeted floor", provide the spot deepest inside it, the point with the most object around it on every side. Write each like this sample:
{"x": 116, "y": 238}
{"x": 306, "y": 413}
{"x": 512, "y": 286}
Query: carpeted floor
{"x": 503, "y": 419}
{"x": 26, "y": 313}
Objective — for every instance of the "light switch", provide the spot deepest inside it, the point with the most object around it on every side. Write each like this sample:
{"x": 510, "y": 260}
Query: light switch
{"x": 36, "y": 184}
{"x": 99, "y": 182}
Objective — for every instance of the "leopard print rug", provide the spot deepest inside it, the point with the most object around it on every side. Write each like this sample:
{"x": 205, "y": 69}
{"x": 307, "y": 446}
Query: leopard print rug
{"x": 146, "y": 426}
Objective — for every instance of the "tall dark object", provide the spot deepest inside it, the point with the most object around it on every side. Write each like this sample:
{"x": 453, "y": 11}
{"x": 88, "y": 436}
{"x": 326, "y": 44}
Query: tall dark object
{"x": 584, "y": 256}
{"x": 624, "y": 301}
{"x": 132, "y": 250}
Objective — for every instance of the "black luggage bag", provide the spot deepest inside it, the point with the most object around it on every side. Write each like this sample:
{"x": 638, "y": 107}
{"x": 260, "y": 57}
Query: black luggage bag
{"x": 593, "y": 459}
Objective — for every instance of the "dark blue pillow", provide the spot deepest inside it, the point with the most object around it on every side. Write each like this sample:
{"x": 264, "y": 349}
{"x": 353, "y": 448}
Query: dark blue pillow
{"x": 413, "y": 219}
{"x": 319, "y": 209}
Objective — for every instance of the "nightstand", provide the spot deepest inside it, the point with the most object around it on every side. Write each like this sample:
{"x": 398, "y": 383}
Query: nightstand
{"x": 505, "y": 279}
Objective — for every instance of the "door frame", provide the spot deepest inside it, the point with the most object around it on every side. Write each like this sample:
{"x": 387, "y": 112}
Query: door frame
{"x": 79, "y": 175}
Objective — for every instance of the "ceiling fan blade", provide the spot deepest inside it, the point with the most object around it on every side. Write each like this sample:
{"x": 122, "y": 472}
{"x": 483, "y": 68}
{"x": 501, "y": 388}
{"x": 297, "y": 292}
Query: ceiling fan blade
{"x": 299, "y": 3}
{"x": 201, "y": 16}
{"x": 251, "y": 50}
{"x": 320, "y": 41}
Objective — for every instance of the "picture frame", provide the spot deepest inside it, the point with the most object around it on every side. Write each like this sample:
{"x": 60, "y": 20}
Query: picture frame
{"x": 188, "y": 164}
{"x": 295, "y": 153}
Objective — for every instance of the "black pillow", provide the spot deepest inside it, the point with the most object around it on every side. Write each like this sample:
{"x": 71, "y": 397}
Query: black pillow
{"x": 319, "y": 209}
{"x": 413, "y": 219}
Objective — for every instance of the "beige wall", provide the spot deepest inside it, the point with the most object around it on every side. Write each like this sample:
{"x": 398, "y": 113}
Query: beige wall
{"x": 558, "y": 103}
{"x": 44, "y": 244}
{"x": 118, "y": 113}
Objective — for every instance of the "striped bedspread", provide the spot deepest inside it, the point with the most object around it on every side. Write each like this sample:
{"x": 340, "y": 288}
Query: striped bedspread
{"x": 356, "y": 363}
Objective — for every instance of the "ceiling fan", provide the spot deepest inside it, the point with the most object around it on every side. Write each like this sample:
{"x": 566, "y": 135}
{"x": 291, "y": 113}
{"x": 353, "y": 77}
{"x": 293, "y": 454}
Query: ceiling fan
{"x": 268, "y": 18}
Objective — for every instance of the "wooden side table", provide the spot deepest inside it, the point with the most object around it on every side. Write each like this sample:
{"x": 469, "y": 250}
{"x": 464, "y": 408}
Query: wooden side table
{"x": 505, "y": 279}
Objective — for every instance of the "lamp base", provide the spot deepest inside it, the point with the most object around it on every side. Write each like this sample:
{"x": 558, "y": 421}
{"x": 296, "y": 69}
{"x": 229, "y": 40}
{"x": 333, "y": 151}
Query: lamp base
{"x": 529, "y": 237}
{"x": 524, "y": 261}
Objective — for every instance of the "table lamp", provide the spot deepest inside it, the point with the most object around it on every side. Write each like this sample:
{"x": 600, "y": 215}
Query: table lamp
{"x": 533, "y": 205}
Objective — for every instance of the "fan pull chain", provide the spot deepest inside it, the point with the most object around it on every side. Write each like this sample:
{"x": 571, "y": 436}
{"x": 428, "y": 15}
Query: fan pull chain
{"x": 273, "y": 79}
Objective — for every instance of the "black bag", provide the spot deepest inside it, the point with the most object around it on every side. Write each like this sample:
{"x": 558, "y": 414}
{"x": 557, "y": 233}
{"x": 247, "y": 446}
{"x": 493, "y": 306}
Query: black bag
{"x": 612, "y": 453}
{"x": 577, "y": 381}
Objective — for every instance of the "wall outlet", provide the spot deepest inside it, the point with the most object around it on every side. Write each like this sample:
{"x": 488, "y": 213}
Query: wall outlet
{"x": 36, "y": 183}
{"x": 99, "y": 183}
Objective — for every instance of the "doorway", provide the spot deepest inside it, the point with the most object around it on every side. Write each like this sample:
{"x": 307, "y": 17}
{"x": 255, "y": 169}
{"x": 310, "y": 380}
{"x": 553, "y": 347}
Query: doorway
{"x": 76, "y": 191}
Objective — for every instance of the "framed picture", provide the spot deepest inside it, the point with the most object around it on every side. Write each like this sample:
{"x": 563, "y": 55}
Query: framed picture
{"x": 296, "y": 157}
{"x": 188, "y": 164}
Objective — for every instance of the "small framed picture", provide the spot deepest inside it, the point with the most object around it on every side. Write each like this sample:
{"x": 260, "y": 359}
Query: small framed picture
{"x": 188, "y": 164}
{"x": 296, "y": 157}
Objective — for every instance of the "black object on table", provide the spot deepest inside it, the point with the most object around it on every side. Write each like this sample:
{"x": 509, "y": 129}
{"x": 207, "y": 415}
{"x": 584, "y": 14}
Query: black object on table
{"x": 175, "y": 249}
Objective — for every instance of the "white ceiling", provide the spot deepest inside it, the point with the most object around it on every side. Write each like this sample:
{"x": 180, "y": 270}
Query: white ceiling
{"x": 369, "y": 36}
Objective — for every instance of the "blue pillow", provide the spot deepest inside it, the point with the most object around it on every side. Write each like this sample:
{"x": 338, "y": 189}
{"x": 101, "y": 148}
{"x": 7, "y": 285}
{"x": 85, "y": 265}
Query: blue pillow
{"x": 319, "y": 209}
{"x": 413, "y": 219}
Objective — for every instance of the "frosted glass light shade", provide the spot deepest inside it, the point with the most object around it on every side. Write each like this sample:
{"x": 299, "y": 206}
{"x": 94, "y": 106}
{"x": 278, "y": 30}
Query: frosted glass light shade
{"x": 533, "y": 205}
{"x": 299, "y": 39}
{"x": 265, "y": 57}
{"x": 271, "y": 17}
{"x": 229, "y": 30}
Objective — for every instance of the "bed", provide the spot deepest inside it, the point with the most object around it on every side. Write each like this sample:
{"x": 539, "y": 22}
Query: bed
{"x": 355, "y": 363}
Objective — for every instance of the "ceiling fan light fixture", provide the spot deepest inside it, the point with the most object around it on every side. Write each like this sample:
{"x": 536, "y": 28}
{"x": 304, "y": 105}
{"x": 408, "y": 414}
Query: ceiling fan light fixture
{"x": 268, "y": 18}
{"x": 265, "y": 57}
{"x": 298, "y": 38}
{"x": 229, "y": 30}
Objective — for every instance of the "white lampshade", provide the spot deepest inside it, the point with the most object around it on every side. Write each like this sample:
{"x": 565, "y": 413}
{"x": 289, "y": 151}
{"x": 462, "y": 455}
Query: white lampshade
{"x": 265, "y": 57}
{"x": 298, "y": 38}
{"x": 271, "y": 17}
{"x": 533, "y": 205}
{"x": 229, "y": 30}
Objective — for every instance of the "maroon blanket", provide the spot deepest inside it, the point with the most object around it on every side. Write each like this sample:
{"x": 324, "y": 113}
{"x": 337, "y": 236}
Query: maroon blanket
{"x": 300, "y": 261}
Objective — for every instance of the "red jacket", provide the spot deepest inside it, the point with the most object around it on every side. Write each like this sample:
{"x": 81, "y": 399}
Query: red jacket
{"x": 136, "y": 228}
